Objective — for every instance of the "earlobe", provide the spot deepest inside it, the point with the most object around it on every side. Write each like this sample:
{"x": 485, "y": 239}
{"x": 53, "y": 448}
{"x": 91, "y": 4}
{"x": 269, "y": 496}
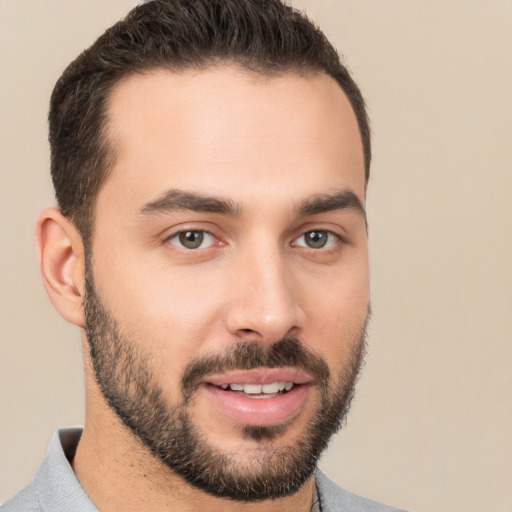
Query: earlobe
{"x": 61, "y": 262}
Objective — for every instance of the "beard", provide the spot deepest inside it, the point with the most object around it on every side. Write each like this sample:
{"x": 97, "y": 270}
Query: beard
{"x": 125, "y": 376}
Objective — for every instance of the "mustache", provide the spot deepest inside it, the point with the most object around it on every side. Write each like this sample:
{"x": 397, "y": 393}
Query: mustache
{"x": 250, "y": 355}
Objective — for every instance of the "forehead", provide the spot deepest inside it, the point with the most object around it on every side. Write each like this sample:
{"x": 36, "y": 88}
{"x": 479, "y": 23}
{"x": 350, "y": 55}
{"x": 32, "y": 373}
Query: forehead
{"x": 230, "y": 132}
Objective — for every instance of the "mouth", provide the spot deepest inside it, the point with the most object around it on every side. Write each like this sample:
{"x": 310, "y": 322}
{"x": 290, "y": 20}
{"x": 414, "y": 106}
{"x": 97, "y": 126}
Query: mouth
{"x": 264, "y": 396}
{"x": 259, "y": 390}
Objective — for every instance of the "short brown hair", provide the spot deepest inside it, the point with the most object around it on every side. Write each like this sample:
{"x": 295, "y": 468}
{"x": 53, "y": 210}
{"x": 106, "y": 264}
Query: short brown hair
{"x": 264, "y": 36}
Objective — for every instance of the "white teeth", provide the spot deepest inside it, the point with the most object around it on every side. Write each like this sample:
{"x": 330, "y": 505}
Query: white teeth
{"x": 270, "y": 388}
{"x": 252, "y": 389}
{"x": 257, "y": 389}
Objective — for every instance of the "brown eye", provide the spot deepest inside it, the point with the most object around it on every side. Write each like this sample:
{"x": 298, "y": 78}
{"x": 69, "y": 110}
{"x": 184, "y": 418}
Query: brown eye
{"x": 192, "y": 239}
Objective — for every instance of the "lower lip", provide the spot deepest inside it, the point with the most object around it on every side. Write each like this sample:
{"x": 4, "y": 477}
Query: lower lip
{"x": 258, "y": 411}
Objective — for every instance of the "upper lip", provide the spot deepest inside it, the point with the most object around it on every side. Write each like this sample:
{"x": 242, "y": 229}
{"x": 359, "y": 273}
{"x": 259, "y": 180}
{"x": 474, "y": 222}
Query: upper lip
{"x": 260, "y": 376}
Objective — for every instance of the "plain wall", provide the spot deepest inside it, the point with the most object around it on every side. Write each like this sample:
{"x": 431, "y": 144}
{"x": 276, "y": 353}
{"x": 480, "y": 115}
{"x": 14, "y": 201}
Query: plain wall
{"x": 430, "y": 427}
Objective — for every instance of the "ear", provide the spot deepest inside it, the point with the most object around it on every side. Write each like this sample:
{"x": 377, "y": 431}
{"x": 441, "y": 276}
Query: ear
{"x": 61, "y": 262}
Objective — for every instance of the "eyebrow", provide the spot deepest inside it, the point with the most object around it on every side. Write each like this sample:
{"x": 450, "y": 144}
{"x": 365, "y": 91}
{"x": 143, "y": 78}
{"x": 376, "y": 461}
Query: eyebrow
{"x": 343, "y": 199}
{"x": 175, "y": 200}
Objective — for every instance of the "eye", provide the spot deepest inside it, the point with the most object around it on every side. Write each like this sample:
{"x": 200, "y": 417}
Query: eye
{"x": 192, "y": 239}
{"x": 317, "y": 239}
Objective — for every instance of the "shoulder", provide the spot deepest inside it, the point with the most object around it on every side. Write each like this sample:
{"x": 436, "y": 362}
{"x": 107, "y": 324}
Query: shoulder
{"x": 27, "y": 500}
{"x": 335, "y": 499}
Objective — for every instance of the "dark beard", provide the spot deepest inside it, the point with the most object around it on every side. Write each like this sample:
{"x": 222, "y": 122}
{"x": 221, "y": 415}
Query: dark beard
{"x": 123, "y": 373}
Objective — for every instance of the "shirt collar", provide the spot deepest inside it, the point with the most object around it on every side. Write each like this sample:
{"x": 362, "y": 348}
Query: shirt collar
{"x": 57, "y": 485}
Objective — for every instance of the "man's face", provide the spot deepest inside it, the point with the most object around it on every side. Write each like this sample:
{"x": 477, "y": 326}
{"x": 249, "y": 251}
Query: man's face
{"x": 227, "y": 293}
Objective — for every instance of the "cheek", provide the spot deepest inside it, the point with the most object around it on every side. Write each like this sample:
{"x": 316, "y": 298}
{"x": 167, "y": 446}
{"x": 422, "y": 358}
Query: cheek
{"x": 170, "y": 313}
{"x": 337, "y": 309}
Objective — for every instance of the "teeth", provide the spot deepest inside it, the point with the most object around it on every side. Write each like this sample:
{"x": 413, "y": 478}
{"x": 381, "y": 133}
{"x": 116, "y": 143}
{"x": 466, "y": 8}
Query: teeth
{"x": 257, "y": 389}
{"x": 252, "y": 389}
{"x": 270, "y": 388}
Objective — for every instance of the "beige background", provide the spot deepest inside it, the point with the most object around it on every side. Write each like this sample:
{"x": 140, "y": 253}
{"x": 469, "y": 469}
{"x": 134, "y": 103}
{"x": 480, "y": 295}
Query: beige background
{"x": 430, "y": 427}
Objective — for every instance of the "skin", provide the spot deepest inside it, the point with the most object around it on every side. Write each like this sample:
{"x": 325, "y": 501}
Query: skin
{"x": 265, "y": 145}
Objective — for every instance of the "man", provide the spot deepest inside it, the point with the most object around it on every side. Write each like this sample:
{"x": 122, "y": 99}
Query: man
{"x": 210, "y": 161}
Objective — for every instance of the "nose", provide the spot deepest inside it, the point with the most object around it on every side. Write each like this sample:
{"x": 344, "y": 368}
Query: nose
{"x": 264, "y": 300}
